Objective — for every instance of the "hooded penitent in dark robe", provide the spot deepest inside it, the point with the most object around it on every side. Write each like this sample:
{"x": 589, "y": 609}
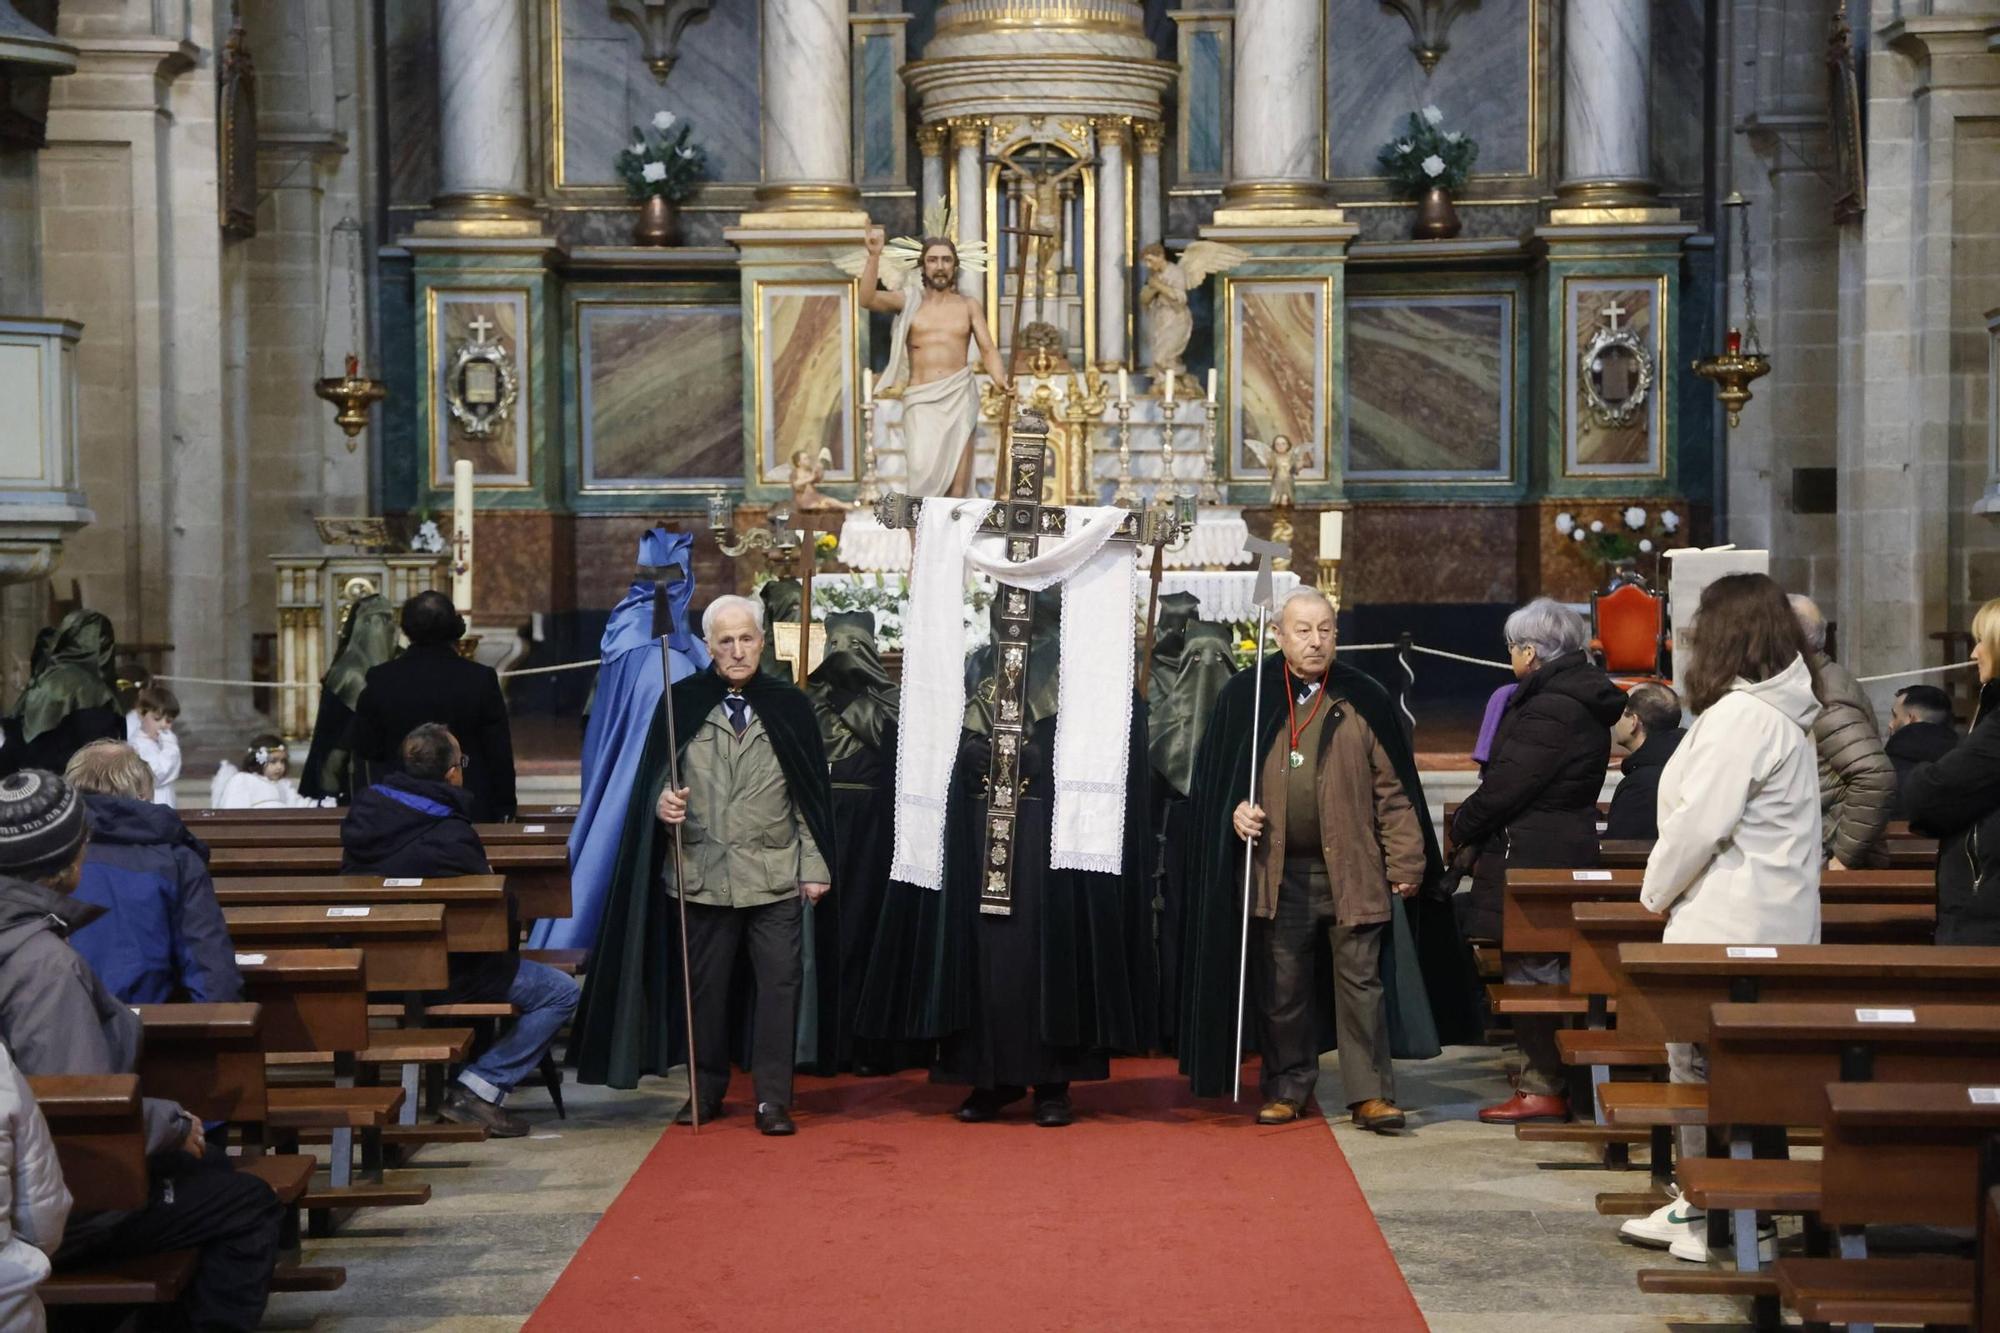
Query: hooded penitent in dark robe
{"x": 781, "y": 598}
{"x": 1426, "y": 968}
{"x": 1192, "y": 661}
{"x": 367, "y": 640}
{"x": 70, "y": 700}
{"x": 629, "y": 1021}
{"x": 628, "y": 696}
{"x": 856, "y": 703}
{"x": 1043, "y": 995}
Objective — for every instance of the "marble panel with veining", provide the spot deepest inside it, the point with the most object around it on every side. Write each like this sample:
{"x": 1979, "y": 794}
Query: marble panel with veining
{"x": 607, "y": 89}
{"x": 1679, "y": 94}
{"x": 500, "y": 455}
{"x": 1429, "y": 385}
{"x": 1482, "y": 84}
{"x": 409, "y": 38}
{"x": 662, "y": 393}
{"x": 1602, "y": 446}
{"x": 805, "y": 339}
{"x": 1279, "y": 384}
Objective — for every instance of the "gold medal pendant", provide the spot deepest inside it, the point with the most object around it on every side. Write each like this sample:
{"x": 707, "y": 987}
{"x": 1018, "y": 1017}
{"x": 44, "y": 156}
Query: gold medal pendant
{"x": 1297, "y": 759}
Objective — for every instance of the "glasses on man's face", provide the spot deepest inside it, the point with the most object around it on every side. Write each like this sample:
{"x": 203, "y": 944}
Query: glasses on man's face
{"x": 462, "y": 764}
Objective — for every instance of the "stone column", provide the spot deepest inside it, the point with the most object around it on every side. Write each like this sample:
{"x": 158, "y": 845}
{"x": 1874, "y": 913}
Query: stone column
{"x": 808, "y": 153}
{"x": 1113, "y": 264}
{"x": 930, "y": 146}
{"x": 1276, "y": 133}
{"x": 1606, "y": 86}
{"x": 968, "y": 137}
{"x": 1151, "y": 136}
{"x": 482, "y": 109}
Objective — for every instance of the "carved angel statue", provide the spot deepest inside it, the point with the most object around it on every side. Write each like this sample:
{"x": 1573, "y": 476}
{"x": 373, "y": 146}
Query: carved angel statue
{"x": 903, "y": 255}
{"x": 807, "y": 471}
{"x": 1165, "y": 294}
{"x": 1284, "y": 461}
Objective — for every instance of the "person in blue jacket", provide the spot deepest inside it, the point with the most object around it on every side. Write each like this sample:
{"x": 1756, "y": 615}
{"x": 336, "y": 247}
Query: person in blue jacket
{"x": 627, "y": 697}
{"x": 162, "y": 938}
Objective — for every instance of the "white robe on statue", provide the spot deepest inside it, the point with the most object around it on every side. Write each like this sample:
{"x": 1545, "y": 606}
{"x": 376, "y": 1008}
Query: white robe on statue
{"x": 939, "y": 417}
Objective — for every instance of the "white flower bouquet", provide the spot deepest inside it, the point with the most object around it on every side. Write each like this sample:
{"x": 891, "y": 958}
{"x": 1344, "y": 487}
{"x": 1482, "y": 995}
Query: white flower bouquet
{"x": 663, "y": 161}
{"x": 1427, "y": 154}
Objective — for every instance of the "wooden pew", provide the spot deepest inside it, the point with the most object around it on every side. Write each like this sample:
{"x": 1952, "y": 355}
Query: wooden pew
{"x": 475, "y": 906}
{"x": 199, "y": 818}
{"x": 537, "y": 877}
{"x": 1900, "y": 853}
{"x": 324, "y": 834}
{"x": 100, "y": 1139}
{"x": 1894, "y": 1153}
{"x": 403, "y": 944}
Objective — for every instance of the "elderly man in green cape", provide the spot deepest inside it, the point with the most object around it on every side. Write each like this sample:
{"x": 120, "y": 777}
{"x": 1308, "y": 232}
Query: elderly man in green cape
{"x": 1345, "y": 858}
{"x": 755, "y": 811}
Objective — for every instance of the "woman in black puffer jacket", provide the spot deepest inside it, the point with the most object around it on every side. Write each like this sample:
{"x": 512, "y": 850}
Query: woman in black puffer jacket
{"x": 1536, "y": 805}
{"x": 1957, "y": 801}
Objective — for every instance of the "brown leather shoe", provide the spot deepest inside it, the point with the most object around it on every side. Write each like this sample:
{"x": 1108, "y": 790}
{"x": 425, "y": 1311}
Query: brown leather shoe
{"x": 1279, "y": 1111}
{"x": 1523, "y": 1106}
{"x": 1377, "y": 1114}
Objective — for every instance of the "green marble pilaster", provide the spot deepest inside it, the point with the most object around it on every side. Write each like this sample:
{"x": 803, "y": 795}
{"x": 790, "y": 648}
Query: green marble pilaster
{"x": 1281, "y": 347}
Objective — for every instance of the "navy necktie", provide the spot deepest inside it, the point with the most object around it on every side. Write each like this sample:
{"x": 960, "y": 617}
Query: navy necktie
{"x": 739, "y": 712}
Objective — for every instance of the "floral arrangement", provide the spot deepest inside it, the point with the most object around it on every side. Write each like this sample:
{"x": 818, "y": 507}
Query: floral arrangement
{"x": 427, "y": 539}
{"x": 662, "y": 161}
{"x": 884, "y": 596}
{"x": 826, "y": 549}
{"x": 1627, "y": 537}
{"x": 1428, "y": 155}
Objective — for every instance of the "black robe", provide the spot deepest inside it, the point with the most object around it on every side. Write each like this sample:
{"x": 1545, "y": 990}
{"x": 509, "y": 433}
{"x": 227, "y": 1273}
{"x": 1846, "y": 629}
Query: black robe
{"x": 1427, "y": 970}
{"x": 857, "y": 704}
{"x": 1044, "y": 995}
{"x": 630, "y": 1020}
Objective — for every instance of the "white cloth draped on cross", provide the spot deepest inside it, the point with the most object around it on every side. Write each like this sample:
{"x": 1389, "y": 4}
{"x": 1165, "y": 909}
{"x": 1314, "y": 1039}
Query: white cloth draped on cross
{"x": 1095, "y": 700}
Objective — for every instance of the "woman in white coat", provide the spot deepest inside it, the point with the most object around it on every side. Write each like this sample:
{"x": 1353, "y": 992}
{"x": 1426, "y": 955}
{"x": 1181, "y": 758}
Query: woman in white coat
{"x": 1738, "y": 856}
{"x": 34, "y": 1202}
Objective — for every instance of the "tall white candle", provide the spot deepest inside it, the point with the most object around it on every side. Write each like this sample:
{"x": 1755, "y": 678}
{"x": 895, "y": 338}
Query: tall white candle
{"x": 1330, "y": 533}
{"x": 1167, "y": 390}
{"x": 1124, "y": 389}
{"x": 867, "y": 384}
{"x": 461, "y": 535}
{"x": 1211, "y": 384}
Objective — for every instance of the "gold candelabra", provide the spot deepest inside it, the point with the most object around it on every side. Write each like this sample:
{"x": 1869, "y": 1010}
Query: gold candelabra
{"x": 1083, "y": 407}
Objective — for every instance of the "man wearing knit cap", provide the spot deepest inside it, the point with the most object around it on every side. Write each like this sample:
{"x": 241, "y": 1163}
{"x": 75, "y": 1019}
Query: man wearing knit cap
{"x": 57, "y": 1018}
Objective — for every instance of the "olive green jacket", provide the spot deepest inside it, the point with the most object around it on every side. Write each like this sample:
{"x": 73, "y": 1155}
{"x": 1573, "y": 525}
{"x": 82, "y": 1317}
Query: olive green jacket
{"x": 743, "y": 843}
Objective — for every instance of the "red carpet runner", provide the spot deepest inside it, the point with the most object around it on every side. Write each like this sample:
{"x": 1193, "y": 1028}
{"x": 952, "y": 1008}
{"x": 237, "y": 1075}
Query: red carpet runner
{"x": 1153, "y": 1211}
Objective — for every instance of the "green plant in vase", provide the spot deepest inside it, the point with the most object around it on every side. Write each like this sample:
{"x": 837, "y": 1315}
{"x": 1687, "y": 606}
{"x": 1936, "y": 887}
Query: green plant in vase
{"x": 1428, "y": 163}
{"x": 661, "y": 169}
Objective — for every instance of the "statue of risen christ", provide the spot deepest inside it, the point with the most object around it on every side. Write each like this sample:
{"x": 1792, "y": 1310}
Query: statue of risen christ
{"x": 936, "y": 328}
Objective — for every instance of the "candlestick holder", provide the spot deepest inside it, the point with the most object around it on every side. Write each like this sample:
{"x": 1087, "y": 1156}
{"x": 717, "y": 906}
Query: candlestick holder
{"x": 1083, "y": 408}
{"x": 1170, "y": 411}
{"x": 870, "y": 490}
{"x": 1125, "y": 495}
{"x": 1329, "y": 581}
{"x": 1211, "y": 494}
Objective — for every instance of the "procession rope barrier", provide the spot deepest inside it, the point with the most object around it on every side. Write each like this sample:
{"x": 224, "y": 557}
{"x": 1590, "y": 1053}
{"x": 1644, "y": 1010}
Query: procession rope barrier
{"x": 1905, "y": 675}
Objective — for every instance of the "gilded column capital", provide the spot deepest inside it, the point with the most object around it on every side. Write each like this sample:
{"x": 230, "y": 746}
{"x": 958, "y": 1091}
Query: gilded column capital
{"x": 968, "y": 132}
{"x": 1115, "y": 131}
{"x": 931, "y": 137}
{"x": 1151, "y": 136}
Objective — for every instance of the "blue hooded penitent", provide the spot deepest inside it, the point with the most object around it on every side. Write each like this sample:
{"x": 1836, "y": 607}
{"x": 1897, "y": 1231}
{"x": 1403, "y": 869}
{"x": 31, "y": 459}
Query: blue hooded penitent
{"x": 628, "y": 694}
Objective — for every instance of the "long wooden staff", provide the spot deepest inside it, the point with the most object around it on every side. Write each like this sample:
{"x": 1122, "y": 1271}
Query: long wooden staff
{"x": 663, "y": 623}
{"x": 1159, "y": 572}
{"x": 1250, "y": 847}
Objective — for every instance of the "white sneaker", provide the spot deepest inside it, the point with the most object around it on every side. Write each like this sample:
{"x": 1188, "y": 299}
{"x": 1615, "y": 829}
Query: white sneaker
{"x": 1667, "y": 1225}
{"x": 1693, "y": 1248}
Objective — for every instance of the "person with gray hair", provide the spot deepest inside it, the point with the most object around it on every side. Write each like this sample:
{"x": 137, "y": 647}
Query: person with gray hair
{"x": 1857, "y": 779}
{"x": 1536, "y": 805}
{"x": 753, "y": 816}
{"x": 165, "y": 939}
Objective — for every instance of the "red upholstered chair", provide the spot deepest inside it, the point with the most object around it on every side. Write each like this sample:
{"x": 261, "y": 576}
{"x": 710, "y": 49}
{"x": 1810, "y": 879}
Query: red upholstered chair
{"x": 1628, "y": 634}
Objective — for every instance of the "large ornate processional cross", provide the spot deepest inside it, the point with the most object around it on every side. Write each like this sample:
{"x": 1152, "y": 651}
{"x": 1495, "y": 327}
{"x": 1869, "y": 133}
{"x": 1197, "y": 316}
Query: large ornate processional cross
{"x": 1019, "y": 515}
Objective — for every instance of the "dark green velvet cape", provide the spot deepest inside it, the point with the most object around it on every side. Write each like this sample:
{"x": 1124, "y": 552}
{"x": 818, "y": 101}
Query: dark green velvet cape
{"x": 1426, "y": 968}
{"x": 629, "y": 1020}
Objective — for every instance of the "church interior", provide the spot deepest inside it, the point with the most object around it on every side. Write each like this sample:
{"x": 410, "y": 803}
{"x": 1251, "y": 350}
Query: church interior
{"x": 1446, "y": 309}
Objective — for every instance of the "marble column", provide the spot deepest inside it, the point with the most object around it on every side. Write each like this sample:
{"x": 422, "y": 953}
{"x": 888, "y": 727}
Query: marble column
{"x": 1151, "y": 137}
{"x": 482, "y": 109}
{"x": 808, "y": 153}
{"x": 1113, "y": 264}
{"x": 1276, "y": 133}
{"x": 930, "y": 146}
{"x": 1606, "y": 85}
{"x": 968, "y": 138}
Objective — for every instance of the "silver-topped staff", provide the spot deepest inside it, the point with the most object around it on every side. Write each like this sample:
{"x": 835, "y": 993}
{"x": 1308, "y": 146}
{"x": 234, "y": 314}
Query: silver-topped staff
{"x": 1261, "y": 593}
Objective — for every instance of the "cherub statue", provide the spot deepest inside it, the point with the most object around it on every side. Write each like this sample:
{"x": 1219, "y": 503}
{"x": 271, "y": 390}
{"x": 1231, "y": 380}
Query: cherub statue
{"x": 807, "y": 471}
{"x": 1165, "y": 295}
{"x": 1284, "y": 460}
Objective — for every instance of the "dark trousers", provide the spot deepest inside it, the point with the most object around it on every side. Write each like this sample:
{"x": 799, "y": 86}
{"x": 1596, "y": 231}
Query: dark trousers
{"x": 1282, "y": 957}
{"x": 770, "y": 936}
{"x": 202, "y": 1204}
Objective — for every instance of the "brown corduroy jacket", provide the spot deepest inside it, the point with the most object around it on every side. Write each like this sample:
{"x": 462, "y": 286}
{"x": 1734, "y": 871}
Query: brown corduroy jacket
{"x": 1369, "y": 834}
